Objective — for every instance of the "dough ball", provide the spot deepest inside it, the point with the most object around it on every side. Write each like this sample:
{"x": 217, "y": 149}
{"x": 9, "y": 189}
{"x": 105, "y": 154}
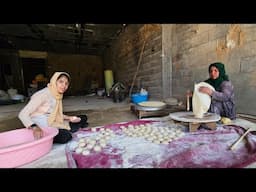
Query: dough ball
{"x": 165, "y": 142}
{"x": 89, "y": 146}
{"x": 82, "y": 140}
{"x": 102, "y": 141}
{"x": 79, "y": 150}
{"x": 97, "y": 148}
{"x": 103, "y": 144}
{"x": 86, "y": 152}
{"x": 87, "y": 140}
{"x": 107, "y": 133}
{"x": 82, "y": 144}
{"x": 160, "y": 139}
{"x": 122, "y": 127}
{"x": 156, "y": 141}
{"x": 94, "y": 129}
{"x": 92, "y": 142}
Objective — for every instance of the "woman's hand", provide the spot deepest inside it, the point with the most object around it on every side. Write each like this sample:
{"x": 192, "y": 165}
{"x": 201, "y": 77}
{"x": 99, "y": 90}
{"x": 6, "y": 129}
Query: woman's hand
{"x": 38, "y": 132}
{"x": 205, "y": 90}
{"x": 74, "y": 119}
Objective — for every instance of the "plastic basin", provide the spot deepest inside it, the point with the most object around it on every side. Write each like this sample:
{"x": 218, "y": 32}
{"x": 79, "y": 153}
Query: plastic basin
{"x": 137, "y": 98}
{"x": 18, "y": 147}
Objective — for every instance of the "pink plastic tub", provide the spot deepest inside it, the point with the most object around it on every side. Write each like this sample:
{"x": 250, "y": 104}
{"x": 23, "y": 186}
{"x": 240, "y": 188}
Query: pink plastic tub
{"x": 18, "y": 147}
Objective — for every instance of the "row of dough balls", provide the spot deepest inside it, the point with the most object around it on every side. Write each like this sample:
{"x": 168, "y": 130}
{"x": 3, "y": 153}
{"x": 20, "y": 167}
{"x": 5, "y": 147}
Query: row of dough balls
{"x": 153, "y": 133}
{"x": 94, "y": 143}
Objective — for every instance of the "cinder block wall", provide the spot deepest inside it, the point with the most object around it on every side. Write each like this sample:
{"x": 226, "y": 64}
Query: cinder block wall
{"x": 123, "y": 57}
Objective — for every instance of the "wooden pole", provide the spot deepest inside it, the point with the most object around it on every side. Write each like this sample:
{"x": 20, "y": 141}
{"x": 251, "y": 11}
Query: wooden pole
{"x": 240, "y": 139}
{"x": 138, "y": 66}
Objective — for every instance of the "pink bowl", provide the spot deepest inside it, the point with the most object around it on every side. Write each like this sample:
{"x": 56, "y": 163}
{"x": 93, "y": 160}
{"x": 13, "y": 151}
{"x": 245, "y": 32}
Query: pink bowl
{"x": 18, "y": 147}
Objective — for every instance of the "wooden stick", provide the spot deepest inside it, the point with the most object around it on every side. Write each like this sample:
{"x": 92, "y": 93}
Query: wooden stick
{"x": 248, "y": 117}
{"x": 240, "y": 139}
{"x": 138, "y": 66}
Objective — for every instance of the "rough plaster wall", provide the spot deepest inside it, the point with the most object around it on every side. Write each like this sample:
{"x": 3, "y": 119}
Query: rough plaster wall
{"x": 123, "y": 56}
{"x": 195, "y": 46}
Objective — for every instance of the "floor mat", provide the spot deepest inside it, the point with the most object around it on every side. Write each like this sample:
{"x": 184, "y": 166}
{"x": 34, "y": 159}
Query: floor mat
{"x": 201, "y": 149}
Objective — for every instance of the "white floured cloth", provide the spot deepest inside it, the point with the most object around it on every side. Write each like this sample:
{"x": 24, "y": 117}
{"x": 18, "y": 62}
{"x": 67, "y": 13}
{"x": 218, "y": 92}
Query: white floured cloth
{"x": 201, "y": 101}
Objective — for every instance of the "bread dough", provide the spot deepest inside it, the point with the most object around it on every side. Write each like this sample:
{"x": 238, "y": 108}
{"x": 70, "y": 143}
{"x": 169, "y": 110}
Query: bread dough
{"x": 200, "y": 101}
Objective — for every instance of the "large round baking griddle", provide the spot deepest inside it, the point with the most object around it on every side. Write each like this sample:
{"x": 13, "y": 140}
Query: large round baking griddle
{"x": 145, "y": 106}
{"x": 189, "y": 117}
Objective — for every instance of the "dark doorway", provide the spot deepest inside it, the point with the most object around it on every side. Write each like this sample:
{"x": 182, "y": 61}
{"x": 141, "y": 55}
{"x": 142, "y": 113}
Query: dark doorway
{"x": 31, "y": 68}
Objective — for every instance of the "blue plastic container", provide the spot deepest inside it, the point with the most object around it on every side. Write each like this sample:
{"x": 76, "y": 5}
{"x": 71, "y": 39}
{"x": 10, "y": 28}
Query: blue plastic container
{"x": 137, "y": 98}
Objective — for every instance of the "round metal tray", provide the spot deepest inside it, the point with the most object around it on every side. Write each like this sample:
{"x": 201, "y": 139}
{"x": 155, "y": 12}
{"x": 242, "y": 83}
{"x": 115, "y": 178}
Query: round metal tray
{"x": 143, "y": 108}
{"x": 190, "y": 117}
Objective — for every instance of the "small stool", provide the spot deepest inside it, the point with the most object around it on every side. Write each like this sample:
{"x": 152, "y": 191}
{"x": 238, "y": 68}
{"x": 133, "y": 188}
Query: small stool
{"x": 194, "y": 126}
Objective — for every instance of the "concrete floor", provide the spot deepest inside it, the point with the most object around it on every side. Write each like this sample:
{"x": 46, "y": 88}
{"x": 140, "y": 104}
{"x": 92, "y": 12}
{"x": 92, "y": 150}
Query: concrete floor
{"x": 93, "y": 106}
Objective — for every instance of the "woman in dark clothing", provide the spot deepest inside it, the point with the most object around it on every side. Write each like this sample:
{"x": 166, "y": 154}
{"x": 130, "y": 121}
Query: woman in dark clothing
{"x": 222, "y": 99}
